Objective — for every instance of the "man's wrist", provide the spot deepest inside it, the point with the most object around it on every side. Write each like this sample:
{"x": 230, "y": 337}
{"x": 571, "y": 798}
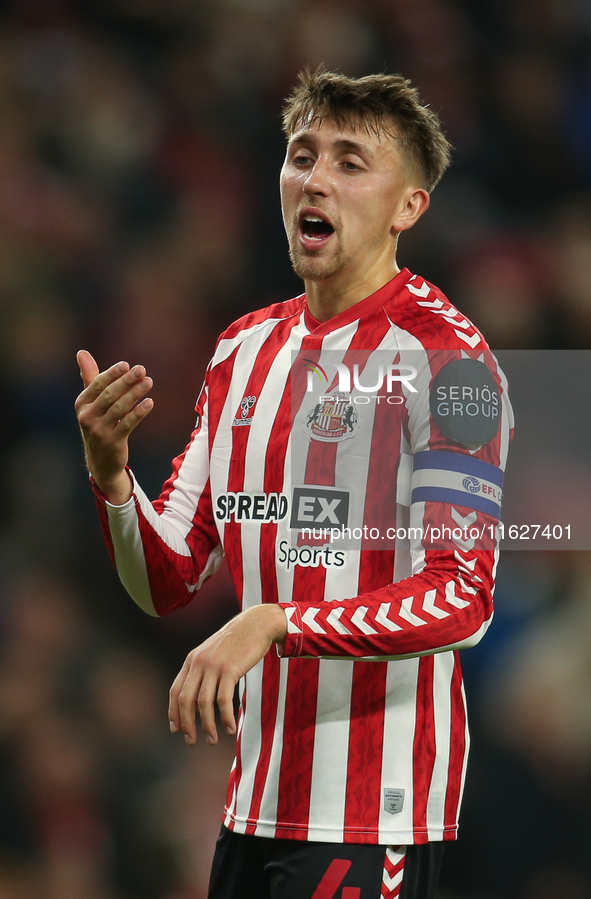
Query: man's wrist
{"x": 116, "y": 491}
{"x": 273, "y": 620}
{"x": 281, "y": 628}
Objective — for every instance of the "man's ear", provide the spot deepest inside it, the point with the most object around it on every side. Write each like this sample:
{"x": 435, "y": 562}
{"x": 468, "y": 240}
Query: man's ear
{"x": 414, "y": 203}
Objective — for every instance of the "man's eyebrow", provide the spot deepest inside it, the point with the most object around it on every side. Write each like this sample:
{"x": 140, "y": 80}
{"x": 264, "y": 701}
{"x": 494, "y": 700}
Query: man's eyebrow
{"x": 307, "y": 138}
{"x": 303, "y": 137}
{"x": 353, "y": 146}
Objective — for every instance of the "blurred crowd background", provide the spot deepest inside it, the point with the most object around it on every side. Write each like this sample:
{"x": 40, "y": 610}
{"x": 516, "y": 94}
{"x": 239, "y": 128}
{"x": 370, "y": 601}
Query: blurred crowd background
{"x": 140, "y": 145}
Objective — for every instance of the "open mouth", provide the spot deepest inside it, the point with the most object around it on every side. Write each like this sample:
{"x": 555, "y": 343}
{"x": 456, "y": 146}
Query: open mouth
{"x": 314, "y": 227}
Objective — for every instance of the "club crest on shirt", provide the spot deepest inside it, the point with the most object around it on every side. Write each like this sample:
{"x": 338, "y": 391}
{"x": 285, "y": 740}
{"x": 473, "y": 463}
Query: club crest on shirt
{"x": 242, "y": 417}
{"x": 332, "y": 418}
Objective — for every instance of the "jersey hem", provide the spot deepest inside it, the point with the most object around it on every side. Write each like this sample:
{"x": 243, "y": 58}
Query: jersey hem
{"x": 318, "y": 834}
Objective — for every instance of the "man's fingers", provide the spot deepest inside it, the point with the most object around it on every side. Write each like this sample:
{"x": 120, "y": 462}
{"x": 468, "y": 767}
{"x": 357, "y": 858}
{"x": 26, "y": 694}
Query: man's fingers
{"x": 126, "y": 424}
{"x": 96, "y": 382}
{"x": 190, "y": 693}
{"x": 226, "y": 703}
{"x": 174, "y": 714}
{"x": 110, "y": 396}
{"x": 205, "y": 704}
{"x": 187, "y": 707}
{"x": 111, "y": 386}
{"x": 88, "y": 367}
{"x": 120, "y": 398}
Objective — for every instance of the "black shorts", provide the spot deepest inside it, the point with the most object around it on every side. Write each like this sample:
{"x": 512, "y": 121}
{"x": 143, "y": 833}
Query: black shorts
{"x": 247, "y": 867}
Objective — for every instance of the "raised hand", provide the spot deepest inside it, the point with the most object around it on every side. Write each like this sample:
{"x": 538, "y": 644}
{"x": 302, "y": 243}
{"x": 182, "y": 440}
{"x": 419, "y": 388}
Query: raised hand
{"x": 111, "y": 405}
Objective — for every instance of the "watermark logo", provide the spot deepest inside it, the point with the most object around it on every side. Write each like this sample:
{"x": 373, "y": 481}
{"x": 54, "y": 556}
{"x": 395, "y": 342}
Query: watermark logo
{"x": 315, "y": 369}
{"x": 390, "y": 374}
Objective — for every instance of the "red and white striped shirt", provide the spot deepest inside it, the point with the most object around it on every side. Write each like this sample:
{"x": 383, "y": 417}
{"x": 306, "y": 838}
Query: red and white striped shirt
{"x": 331, "y": 499}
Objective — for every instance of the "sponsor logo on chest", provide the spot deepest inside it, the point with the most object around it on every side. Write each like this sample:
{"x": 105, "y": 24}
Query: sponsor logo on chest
{"x": 310, "y": 506}
{"x": 251, "y": 506}
{"x": 309, "y": 556}
{"x": 324, "y": 506}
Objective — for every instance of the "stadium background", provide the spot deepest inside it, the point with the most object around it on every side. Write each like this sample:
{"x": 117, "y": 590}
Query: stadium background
{"x": 139, "y": 153}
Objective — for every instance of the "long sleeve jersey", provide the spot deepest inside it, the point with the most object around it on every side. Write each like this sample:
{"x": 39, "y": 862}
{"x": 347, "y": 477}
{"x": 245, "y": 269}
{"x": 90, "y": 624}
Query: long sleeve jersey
{"x": 350, "y": 471}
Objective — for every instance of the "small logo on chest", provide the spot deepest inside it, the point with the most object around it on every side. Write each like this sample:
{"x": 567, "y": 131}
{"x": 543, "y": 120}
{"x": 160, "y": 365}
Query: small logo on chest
{"x": 242, "y": 415}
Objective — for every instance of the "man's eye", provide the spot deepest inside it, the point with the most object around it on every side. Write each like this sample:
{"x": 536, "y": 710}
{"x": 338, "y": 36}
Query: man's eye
{"x": 301, "y": 159}
{"x": 351, "y": 166}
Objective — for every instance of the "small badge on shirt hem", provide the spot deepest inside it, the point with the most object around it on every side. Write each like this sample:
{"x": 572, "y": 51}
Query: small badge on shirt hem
{"x": 393, "y": 800}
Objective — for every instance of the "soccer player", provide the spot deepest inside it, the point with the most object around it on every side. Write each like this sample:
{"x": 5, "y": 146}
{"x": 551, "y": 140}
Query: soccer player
{"x": 347, "y": 459}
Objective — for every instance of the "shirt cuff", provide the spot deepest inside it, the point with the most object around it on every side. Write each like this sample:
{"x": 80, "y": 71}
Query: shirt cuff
{"x": 102, "y": 499}
{"x": 292, "y": 645}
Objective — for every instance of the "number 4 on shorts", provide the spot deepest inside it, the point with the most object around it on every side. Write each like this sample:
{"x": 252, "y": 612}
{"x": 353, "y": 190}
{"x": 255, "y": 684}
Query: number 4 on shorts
{"x": 328, "y": 886}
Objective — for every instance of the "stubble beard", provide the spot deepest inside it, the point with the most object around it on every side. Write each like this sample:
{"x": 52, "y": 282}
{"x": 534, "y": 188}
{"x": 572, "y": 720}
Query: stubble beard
{"x": 312, "y": 265}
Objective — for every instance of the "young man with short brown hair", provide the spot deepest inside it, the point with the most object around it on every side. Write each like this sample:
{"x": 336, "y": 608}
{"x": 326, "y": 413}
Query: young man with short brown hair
{"x": 357, "y": 513}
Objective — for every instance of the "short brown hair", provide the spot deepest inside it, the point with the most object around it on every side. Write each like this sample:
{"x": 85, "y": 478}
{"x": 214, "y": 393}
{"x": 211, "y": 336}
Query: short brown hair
{"x": 381, "y": 103}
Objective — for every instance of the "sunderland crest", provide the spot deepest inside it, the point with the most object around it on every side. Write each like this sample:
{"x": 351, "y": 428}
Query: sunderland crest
{"x": 332, "y": 418}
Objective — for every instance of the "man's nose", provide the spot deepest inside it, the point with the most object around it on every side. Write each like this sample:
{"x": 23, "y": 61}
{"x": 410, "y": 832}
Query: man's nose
{"x": 318, "y": 182}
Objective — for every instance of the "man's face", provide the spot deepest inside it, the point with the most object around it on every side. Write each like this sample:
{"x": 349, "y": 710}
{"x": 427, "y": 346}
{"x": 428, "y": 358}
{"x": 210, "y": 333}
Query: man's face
{"x": 341, "y": 192}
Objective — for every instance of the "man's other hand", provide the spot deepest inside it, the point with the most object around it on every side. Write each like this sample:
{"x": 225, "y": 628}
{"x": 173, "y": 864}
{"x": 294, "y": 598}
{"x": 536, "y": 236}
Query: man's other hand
{"x": 212, "y": 670}
{"x": 109, "y": 408}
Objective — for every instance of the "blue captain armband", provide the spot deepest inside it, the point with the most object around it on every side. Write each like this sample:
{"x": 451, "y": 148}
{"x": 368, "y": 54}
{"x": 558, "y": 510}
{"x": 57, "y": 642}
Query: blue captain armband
{"x": 456, "y": 478}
